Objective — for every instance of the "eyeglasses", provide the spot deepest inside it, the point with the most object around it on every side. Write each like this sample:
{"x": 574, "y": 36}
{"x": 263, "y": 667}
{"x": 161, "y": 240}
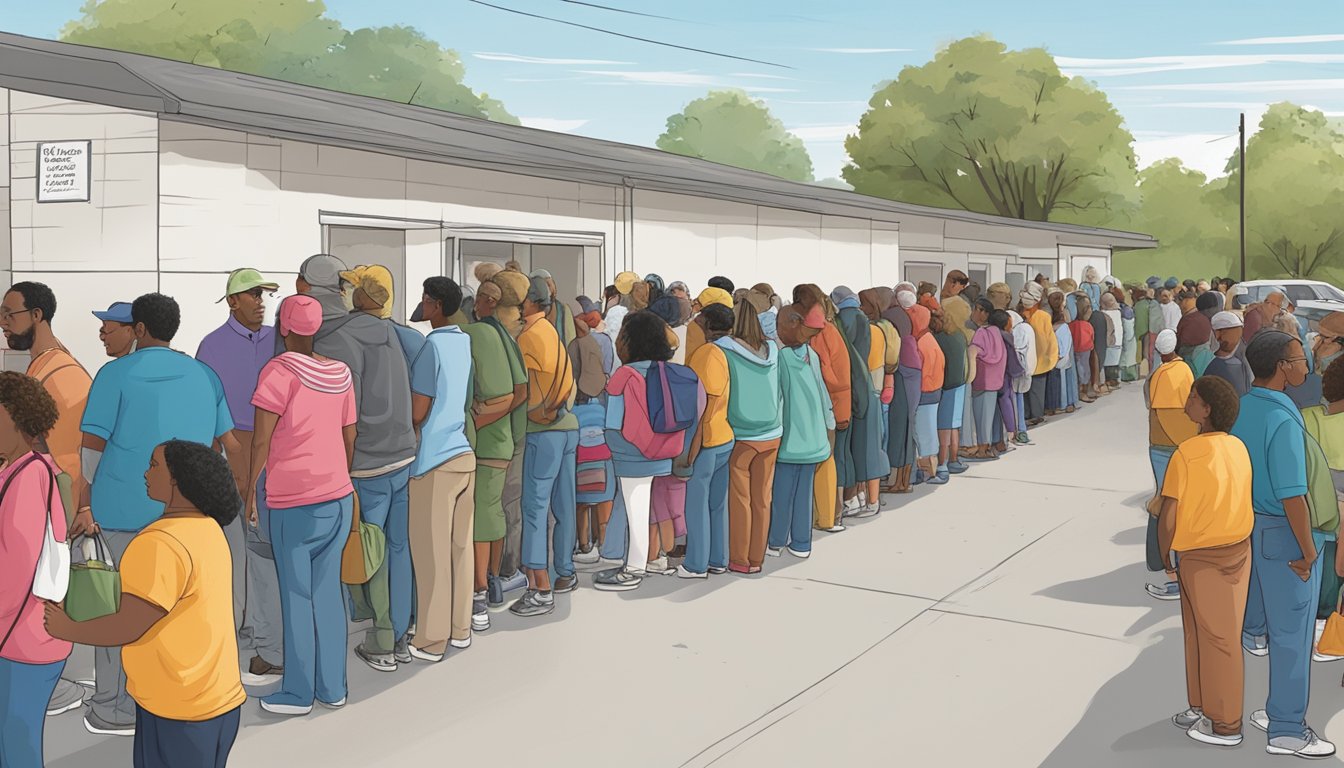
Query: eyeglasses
{"x": 7, "y": 315}
{"x": 256, "y": 293}
{"x": 120, "y": 327}
{"x": 1291, "y": 360}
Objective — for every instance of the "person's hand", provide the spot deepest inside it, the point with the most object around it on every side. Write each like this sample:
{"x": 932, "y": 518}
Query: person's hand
{"x": 842, "y": 425}
{"x": 1339, "y": 562}
{"x": 252, "y": 516}
{"x": 1302, "y": 568}
{"x": 83, "y": 524}
{"x": 56, "y": 620}
{"x": 1167, "y": 564}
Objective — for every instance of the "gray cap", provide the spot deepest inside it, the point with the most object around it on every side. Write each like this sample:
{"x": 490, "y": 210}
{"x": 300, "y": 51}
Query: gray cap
{"x": 538, "y": 291}
{"x": 322, "y": 271}
{"x": 540, "y": 273}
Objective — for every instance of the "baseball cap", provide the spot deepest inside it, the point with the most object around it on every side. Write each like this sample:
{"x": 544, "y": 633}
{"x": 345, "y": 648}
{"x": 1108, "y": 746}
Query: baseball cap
{"x": 625, "y": 281}
{"x": 538, "y": 291}
{"x": 1224, "y": 320}
{"x": 714, "y": 296}
{"x": 544, "y": 274}
{"x": 322, "y": 271}
{"x": 117, "y": 312}
{"x": 300, "y": 314}
{"x": 376, "y": 281}
{"x": 815, "y": 317}
{"x": 244, "y": 280}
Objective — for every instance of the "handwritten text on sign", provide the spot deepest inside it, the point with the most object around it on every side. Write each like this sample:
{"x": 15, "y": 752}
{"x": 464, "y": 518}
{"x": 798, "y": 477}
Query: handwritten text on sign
{"x": 63, "y": 171}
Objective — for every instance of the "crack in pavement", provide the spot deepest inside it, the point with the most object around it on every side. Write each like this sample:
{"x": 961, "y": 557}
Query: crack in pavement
{"x": 1047, "y": 485}
{"x": 854, "y": 586}
{"x": 947, "y": 612}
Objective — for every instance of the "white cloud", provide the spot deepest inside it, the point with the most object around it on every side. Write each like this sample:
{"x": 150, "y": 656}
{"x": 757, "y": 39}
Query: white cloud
{"x": 1153, "y": 64}
{"x": 519, "y": 59}
{"x": 559, "y": 125}
{"x": 1204, "y": 152}
{"x": 1255, "y": 86}
{"x": 1296, "y": 40}
{"x": 861, "y": 51}
{"x": 824, "y": 133}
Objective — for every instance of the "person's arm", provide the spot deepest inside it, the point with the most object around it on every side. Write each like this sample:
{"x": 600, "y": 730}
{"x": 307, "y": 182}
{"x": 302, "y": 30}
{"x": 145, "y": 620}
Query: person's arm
{"x": 135, "y": 617}
{"x": 91, "y": 452}
{"x": 262, "y": 430}
{"x": 348, "y": 434}
{"x": 1166, "y": 530}
{"x": 1175, "y": 423}
{"x": 1299, "y": 519}
{"x": 420, "y": 406}
{"x": 487, "y": 412}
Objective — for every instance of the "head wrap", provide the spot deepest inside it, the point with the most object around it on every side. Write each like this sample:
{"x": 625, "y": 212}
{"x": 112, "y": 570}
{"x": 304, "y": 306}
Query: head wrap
{"x": 639, "y": 296}
{"x": 1090, "y": 275}
{"x": 513, "y": 287}
{"x": 873, "y": 302}
{"x": 1014, "y": 318}
{"x": 815, "y": 317}
{"x": 1209, "y": 302}
{"x": 625, "y": 281}
{"x": 655, "y": 281}
{"x": 1172, "y": 283}
{"x": 919, "y": 320}
{"x": 906, "y": 299}
{"x": 1224, "y": 320}
{"x": 486, "y": 270}
{"x": 667, "y": 308}
{"x": 714, "y": 296}
{"x": 906, "y": 286}
{"x": 844, "y": 298}
{"x": 542, "y": 273}
{"x": 1108, "y": 301}
{"x": 1067, "y": 285}
{"x": 1166, "y": 342}
{"x": 1030, "y": 295}
{"x": 759, "y": 297}
{"x": 538, "y": 291}
{"x": 1154, "y": 282}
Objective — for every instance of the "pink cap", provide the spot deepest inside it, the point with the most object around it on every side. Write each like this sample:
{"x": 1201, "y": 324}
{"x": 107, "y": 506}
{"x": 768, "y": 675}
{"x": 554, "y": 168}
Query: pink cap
{"x": 300, "y": 314}
{"x": 815, "y": 318}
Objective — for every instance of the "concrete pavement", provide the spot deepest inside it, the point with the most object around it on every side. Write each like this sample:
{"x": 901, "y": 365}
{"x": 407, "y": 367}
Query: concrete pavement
{"x": 998, "y": 620}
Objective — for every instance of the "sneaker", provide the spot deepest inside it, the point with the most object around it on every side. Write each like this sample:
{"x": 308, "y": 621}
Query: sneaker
{"x": 566, "y": 584}
{"x": 402, "y": 653}
{"x": 657, "y": 567}
{"x": 868, "y": 511}
{"x": 337, "y": 704}
{"x": 259, "y": 672}
{"x": 1187, "y": 719}
{"x": 718, "y": 570}
{"x": 920, "y": 477}
{"x": 533, "y": 603}
{"x": 480, "y": 612}
{"x": 851, "y": 507}
{"x": 774, "y": 551}
{"x": 837, "y": 528}
{"x": 98, "y": 726}
{"x": 800, "y": 555}
{"x": 515, "y": 582}
{"x": 66, "y": 697}
{"x": 494, "y": 591}
{"x": 617, "y": 580}
{"x": 281, "y": 704}
{"x": 432, "y": 658}
{"x": 1256, "y": 646}
{"x": 591, "y": 557}
{"x": 460, "y": 644}
{"x": 1021, "y": 438}
{"x": 1169, "y": 591}
{"x": 682, "y": 573}
{"x": 378, "y": 661}
{"x": 1202, "y": 731}
{"x": 956, "y": 467}
{"x": 1312, "y": 747}
{"x": 1260, "y": 719}
{"x": 939, "y": 479}
{"x": 1322, "y": 658}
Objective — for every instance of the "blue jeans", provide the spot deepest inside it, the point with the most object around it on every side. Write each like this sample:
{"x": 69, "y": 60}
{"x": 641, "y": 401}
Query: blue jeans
{"x": 384, "y": 501}
{"x": 707, "y": 509}
{"x": 308, "y": 541}
{"x": 549, "y": 482}
{"x": 1021, "y": 411}
{"x": 791, "y": 507}
{"x": 1160, "y": 456}
{"x": 614, "y": 542}
{"x": 1283, "y": 606}
{"x": 164, "y": 743}
{"x": 25, "y": 690}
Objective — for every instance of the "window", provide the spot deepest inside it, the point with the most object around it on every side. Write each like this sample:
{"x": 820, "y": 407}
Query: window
{"x": 1300, "y": 293}
{"x": 924, "y": 272}
{"x": 979, "y": 274}
{"x": 1046, "y": 268}
{"x": 1329, "y": 292}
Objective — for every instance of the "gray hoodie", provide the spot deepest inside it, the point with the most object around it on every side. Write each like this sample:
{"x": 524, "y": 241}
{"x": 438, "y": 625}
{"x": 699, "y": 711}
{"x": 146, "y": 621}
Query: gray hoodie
{"x": 370, "y": 347}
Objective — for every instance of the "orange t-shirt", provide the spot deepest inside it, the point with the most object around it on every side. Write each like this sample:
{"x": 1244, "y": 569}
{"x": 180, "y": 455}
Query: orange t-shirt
{"x": 68, "y": 384}
{"x": 834, "y": 358}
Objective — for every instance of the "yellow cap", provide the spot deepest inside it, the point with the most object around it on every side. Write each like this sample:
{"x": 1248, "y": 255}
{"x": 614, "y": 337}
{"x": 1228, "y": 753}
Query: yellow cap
{"x": 625, "y": 281}
{"x": 714, "y": 296}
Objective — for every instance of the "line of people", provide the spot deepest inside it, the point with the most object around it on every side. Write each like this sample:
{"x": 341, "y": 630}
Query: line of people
{"x": 343, "y": 468}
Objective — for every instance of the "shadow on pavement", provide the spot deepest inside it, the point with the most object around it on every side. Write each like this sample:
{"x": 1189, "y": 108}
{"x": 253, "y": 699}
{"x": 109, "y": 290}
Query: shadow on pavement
{"x": 1121, "y": 588}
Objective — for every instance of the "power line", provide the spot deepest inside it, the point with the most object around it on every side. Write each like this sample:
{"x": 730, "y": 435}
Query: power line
{"x": 629, "y": 37}
{"x": 620, "y": 10}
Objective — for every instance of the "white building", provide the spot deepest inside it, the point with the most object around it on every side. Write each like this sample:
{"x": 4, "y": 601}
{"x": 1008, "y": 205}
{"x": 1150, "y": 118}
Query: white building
{"x": 129, "y": 174}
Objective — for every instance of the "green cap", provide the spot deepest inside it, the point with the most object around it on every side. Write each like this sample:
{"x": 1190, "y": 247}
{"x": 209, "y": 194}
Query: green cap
{"x": 244, "y": 280}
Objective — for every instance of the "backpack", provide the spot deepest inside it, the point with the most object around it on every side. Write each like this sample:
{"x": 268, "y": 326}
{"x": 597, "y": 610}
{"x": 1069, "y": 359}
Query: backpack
{"x": 672, "y": 392}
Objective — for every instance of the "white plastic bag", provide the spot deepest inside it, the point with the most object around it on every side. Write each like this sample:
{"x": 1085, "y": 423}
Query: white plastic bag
{"x": 53, "y": 563}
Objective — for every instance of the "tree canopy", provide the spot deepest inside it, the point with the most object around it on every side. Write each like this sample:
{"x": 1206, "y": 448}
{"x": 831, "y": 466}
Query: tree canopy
{"x": 996, "y": 131}
{"x": 292, "y": 41}
{"x": 1192, "y": 220}
{"x": 732, "y": 128}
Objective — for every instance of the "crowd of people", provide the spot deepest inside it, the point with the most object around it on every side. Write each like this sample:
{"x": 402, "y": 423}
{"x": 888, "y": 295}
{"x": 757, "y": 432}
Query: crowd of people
{"x": 342, "y": 468}
{"x": 1247, "y": 449}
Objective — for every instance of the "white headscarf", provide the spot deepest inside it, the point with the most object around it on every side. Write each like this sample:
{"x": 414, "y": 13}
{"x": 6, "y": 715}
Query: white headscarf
{"x": 1166, "y": 342}
{"x": 906, "y": 298}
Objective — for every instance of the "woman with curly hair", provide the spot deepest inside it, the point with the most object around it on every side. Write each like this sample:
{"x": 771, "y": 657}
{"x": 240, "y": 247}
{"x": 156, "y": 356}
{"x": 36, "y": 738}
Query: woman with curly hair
{"x": 175, "y": 624}
{"x": 31, "y": 659}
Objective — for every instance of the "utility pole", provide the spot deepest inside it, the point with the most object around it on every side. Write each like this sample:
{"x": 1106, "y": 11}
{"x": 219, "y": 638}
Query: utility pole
{"x": 1241, "y": 176}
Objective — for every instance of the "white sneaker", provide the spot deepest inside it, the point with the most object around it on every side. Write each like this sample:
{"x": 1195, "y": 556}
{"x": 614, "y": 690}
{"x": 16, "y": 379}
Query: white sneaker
{"x": 1260, "y": 719}
{"x": 851, "y": 508}
{"x": 837, "y": 528}
{"x": 800, "y": 555}
{"x": 1257, "y": 649}
{"x": 1322, "y": 658}
{"x": 657, "y": 567}
{"x": 1202, "y": 731}
{"x": 773, "y": 551}
{"x": 1312, "y": 747}
{"x": 425, "y": 655}
{"x": 1187, "y": 719}
{"x": 868, "y": 511}
{"x": 337, "y": 704}
{"x": 591, "y": 557}
{"x": 460, "y": 643}
{"x": 682, "y": 573}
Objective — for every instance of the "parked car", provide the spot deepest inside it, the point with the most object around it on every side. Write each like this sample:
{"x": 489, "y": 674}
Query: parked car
{"x": 1312, "y": 299}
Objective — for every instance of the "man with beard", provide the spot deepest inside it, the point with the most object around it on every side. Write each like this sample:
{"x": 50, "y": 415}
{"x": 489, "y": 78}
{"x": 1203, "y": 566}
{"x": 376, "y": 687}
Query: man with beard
{"x": 25, "y": 317}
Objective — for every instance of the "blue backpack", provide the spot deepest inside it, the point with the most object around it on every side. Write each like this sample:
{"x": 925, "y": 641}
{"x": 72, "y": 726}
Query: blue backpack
{"x": 673, "y": 393}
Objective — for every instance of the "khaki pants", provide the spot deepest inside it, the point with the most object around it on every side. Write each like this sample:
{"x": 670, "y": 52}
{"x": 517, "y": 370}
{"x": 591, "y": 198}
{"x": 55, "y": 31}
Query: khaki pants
{"x": 1214, "y": 582}
{"x": 824, "y": 487}
{"x": 751, "y": 476}
{"x": 443, "y": 509}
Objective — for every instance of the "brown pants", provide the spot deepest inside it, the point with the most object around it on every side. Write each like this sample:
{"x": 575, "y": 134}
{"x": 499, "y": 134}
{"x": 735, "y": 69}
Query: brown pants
{"x": 442, "y": 511}
{"x": 1214, "y": 582}
{"x": 751, "y": 478}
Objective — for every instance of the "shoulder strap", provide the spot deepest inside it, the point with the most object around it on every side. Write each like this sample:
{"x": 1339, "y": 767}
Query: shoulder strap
{"x": 43, "y": 380}
{"x": 4, "y": 489}
{"x": 552, "y": 401}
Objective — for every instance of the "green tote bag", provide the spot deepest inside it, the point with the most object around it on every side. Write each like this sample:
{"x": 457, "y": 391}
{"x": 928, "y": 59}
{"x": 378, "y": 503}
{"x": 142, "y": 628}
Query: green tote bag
{"x": 95, "y": 585}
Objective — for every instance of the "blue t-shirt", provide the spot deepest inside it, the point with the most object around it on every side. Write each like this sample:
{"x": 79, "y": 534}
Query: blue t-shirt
{"x": 411, "y": 342}
{"x": 442, "y": 371}
{"x": 1275, "y": 437}
{"x": 136, "y": 403}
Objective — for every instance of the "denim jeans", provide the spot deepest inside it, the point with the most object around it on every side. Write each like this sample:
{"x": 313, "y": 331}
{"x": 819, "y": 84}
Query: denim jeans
{"x": 164, "y": 743}
{"x": 1283, "y": 607}
{"x": 384, "y": 501}
{"x": 25, "y": 690}
{"x": 707, "y": 509}
{"x": 549, "y": 482}
{"x": 791, "y": 507}
{"x": 614, "y": 541}
{"x": 308, "y": 541}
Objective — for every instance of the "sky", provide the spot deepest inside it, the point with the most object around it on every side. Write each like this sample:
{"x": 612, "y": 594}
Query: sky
{"x": 1179, "y": 71}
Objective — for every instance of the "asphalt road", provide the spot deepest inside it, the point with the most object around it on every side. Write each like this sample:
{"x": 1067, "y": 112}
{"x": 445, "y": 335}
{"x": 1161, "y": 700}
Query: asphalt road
{"x": 999, "y": 620}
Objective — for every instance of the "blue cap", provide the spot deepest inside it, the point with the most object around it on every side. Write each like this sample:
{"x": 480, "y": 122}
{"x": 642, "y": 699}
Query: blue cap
{"x": 119, "y": 312}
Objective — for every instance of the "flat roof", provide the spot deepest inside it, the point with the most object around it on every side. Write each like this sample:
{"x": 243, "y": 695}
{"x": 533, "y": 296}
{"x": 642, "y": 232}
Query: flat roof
{"x": 216, "y": 97}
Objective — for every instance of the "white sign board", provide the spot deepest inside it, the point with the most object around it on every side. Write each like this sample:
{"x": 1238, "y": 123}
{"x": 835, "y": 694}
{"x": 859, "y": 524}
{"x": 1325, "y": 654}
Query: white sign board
{"x": 63, "y": 171}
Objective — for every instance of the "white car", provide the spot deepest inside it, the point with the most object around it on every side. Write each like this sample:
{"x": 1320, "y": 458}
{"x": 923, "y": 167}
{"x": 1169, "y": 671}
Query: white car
{"x": 1313, "y": 299}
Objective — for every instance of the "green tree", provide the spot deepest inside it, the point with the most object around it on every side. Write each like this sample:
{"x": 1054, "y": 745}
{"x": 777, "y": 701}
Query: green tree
{"x": 1191, "y": 220}
{"x": 996, "y": 131}
{"x": 732, "y": 128}
{"x": 292, "y": 41}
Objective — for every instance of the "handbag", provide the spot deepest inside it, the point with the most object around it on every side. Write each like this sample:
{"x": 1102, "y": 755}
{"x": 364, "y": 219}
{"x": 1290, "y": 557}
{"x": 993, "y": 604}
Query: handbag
{"x": 365, "y": 549}
{"x": 1332, "y": 639}
{"x": 95, "y": 584}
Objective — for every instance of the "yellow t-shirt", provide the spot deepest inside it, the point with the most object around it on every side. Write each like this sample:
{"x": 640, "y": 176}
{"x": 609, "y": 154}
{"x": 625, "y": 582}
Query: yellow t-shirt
{"x": 186, "y": 666}
{"x": 695, "y": 338}
{"x": 545, "y": 359}
{"x": 1168, "y": 389}
{"x": 1210, "y": 478}
{"x": 711, "y": 366}
{"x": 1047, "y": 343}
{"x": 877, "y": 358}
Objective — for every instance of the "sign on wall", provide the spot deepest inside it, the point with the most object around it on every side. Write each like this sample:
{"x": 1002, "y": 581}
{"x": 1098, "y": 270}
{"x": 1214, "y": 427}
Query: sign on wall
{"x": 63, "y": 171}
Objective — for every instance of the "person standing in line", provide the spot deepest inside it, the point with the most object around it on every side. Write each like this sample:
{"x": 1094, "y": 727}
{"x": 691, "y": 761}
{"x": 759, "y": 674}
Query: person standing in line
{"x": 1325, "y": 426}
{"x": 809, "y": 425}
{"x": 26, "y": 315}
{"x": 31, "y": 659}
{"x": 1066, "y": 382}
{"x": 866, "y": 460}
{"x": 506, "y": 312}
{"x": 1205, "y": 522}
{"x": 443, "y": 476}
{"x": 1143, "y": 302}
{"x": 595, "y": 478}
{"x": 236, "y": 352}
{"x": 136, "y": 403}
{"x": 1091, "y": 286}
{"x": 1024, "y": 348}
{"x": 1047, "y": 349}
{"x": 1084, "y": 337}
{"x": 1262, "y": 315}
{"x": 991, "y": 354}
{"x": 548, "y": 461}
{"x": 116, "y": 330}
{"x": 625, "y": 286}
{"x": 180, "y": 649}
{"x": 707, "y": 530}
{"x": 304, "y": 439}
{"x": 1166, "y": 393}
{"x": 836, "y": 370}
{"x": 901, "y": 450}
{"x": 1115, "y": 339}
{"x": 695, "y": 337}
{"x": 755, "y": 412}
{"x": 930, "y": 395}
{"x": 957, "y": 306}
{"x": 951, "y": 405}
{"x": 1129, "y": 351}
{"x": 1229, "y": 362}
{"x": 1286, "y": 570}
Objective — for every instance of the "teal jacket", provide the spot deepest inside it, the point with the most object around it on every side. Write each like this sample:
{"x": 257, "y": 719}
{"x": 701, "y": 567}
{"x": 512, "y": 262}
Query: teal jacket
{"x": 754, "y": 408}
{"x": 808, "y": 414}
